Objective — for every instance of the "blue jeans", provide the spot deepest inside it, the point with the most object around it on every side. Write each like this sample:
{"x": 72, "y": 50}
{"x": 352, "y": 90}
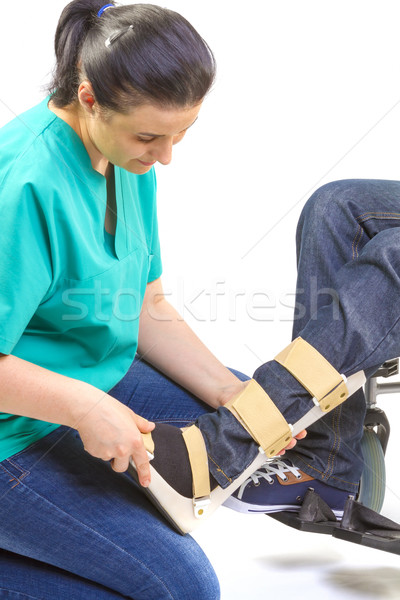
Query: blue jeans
{"x": 348, "y": 308}
{"x": 72, "y": 528}
{"x": 97, "y": 533}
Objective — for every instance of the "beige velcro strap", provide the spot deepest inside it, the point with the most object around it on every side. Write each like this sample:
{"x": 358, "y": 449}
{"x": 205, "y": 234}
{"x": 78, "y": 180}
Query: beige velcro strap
{"x": 148, "y": 442}
{"x": 198, "y": 461}
{"x": 314, "y": 373}
{"x": 254, "y": 409}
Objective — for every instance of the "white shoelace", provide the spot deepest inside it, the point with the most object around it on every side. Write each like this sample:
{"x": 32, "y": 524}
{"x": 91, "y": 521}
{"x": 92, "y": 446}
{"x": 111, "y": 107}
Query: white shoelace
{"x": 274, "y": 466}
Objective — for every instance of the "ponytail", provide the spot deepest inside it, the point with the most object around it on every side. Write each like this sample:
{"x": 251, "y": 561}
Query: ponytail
{"x": 75, "y": 22}
{"x": 152, "y": 55}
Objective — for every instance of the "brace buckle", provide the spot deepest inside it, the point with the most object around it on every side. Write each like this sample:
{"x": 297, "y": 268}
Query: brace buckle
{"x": 201, "y": 506}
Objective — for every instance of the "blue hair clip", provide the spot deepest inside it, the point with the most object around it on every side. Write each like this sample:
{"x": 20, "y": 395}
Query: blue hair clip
{"x": 103, "y": 8}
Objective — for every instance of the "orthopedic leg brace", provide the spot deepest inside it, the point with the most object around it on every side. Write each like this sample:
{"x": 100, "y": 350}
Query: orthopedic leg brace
{"x": 259, "y": 416}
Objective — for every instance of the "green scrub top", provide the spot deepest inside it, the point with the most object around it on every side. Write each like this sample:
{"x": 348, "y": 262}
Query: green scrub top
{"x": 70, "y": 293}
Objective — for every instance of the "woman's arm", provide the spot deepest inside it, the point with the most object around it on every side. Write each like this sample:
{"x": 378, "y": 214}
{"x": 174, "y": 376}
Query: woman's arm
{"x": 172, "y": 347}
{"x": 109, "y": 430}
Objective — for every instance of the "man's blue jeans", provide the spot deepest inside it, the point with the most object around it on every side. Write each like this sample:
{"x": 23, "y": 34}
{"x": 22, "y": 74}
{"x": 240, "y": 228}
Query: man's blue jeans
{"x": 348, "y": 308}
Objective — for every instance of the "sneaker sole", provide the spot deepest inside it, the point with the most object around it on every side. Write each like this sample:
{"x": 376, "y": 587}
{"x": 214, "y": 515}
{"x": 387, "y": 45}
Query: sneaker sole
{"x": 244, "y": 507}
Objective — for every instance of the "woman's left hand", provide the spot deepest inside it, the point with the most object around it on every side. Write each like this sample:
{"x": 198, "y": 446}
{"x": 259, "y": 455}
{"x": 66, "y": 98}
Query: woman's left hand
{"x": 293, "y": 442}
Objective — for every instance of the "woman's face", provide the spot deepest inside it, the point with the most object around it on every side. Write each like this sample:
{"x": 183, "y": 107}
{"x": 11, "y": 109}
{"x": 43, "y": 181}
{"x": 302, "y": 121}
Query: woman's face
{"x": 138, "y": 139}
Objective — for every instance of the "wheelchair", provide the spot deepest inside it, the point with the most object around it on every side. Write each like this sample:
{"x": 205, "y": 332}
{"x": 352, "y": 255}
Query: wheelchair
{"x": 362, "y": 522}
{"x": 376, "y": 437}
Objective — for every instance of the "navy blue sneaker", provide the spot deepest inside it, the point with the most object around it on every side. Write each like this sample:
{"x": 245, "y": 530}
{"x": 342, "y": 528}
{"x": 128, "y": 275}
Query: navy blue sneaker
{"x": 279, "y": 485}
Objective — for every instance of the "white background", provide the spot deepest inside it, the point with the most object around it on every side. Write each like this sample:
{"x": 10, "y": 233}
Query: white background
{"x": 307, "y": 92}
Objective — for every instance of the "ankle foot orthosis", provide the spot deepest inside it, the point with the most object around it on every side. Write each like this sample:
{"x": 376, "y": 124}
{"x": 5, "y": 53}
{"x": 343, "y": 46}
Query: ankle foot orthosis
{"x": 257, "y": 413}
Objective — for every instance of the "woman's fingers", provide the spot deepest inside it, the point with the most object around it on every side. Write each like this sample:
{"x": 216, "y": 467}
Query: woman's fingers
{"x": 113, "y": 432}
{"x": 301, "y": 435}
{"x": 139, "y": 452}
{"x": 120, "y": 465}
{"x": 139, "y": 455}
{"x": 144, "y": 425}
{"x": 293, "y": 442}
{"x": 141, "y": 461}
{"x": 291, "y": 445}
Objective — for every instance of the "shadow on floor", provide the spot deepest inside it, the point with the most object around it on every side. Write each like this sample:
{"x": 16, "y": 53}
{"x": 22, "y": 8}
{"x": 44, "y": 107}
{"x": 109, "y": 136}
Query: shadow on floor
{"x": 381, "y": 582}
{"x": 301, "y": 561}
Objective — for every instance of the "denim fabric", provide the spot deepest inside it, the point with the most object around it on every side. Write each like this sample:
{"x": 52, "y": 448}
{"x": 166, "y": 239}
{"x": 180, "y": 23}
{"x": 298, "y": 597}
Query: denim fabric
{"x": 93, "y": 530}
{"x": 63, "y": 507}
{"x": 348, "y": 308}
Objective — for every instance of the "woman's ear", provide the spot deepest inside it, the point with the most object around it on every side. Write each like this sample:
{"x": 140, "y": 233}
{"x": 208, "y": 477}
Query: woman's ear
{"x": 86, "y": 97}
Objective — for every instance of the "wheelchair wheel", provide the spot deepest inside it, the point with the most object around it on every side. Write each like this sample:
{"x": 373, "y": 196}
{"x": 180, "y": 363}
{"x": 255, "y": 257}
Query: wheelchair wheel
{"x": 373, "y": 478}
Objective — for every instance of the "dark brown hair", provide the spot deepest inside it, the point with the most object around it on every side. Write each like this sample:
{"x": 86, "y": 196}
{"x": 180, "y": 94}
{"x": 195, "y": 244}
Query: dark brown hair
{"x": 158, "y": 58}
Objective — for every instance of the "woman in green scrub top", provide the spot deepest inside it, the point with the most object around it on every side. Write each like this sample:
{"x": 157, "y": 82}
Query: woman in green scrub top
{"x": 91, "y": 351}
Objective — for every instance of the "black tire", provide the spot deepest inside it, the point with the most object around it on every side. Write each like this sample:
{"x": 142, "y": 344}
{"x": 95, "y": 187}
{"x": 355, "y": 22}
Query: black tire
{"x": 373, "y": 478}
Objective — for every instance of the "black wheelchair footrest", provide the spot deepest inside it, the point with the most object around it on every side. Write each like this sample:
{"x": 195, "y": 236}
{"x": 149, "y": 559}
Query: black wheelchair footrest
{"x": 293, "y": 520}
{"x": 364, "y": 526}
{"x": 359, "y": 525}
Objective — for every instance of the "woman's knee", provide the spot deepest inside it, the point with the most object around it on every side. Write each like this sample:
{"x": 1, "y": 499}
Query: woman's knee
{"x": 208, "y": 587}
{"x": 177, "y": 569}
{"x": 199, "y": 581}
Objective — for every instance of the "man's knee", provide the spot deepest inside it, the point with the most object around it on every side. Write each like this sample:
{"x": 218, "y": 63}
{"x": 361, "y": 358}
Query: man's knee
{"x": 329, "y": 197}
{"x": 336, "y": 203}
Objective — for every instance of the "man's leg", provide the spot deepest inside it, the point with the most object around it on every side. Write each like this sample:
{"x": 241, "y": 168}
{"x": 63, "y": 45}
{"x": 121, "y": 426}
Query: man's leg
{"x": 356, "y": 330}
{"x": 334, "y": 227}
{"x": 356, "y": 327}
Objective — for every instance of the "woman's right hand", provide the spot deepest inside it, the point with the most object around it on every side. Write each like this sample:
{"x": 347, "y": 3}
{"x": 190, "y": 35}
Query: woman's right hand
{"x": 111, "y": 431}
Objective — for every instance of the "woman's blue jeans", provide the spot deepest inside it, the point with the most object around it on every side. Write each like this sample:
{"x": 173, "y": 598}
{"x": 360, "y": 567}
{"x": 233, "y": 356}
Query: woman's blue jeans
{"x": 348, "y": 308}
{"x": 72, "y": 528}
